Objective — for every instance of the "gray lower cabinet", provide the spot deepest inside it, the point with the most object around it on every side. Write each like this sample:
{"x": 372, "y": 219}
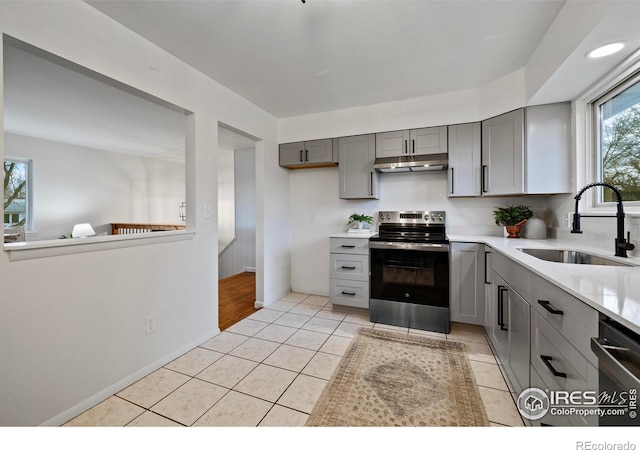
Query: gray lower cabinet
{"x": 541, "y": 335}
{"x": 517, "y": 324}
{"x": 467, "y": 283}
{"x": 358, "y": 178}
{"x": 349, "y": 272}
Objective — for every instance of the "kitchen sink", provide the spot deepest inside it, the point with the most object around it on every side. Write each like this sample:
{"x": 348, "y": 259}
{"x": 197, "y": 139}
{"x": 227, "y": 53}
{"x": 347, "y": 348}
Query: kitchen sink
{"x": 571, "y": 257}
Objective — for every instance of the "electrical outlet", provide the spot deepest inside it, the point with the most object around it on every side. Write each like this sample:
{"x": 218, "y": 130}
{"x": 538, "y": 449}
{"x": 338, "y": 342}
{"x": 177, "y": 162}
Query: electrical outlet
{"x": 150, "y": 324}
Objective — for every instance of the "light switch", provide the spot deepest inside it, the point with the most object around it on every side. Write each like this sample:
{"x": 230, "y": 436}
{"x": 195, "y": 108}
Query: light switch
{"x": 207, "y": 211}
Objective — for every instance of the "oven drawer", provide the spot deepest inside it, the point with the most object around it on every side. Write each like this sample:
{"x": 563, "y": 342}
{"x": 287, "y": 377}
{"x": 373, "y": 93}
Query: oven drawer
{"x": 575, "y": 320}
{"x": 350, "y": 293}
{"x": 359, "y": 246}
{"x": 560, "y": 365}
{"x": 350, "y": 267}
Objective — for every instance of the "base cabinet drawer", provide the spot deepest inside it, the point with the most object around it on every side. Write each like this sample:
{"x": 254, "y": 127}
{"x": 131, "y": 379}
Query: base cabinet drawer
{"x": 560, "y": 365}
{"x": 350, "y": 293}
{"x": 516, "y": 275}
{"x": 576, "y": 321}
{"x": 359, "y": 246}
{"x": 549, "y": 419}
{"x": 349, "y": 267}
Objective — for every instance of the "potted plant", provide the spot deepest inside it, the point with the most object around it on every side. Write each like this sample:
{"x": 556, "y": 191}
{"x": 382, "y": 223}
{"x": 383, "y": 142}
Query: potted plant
{"x": 512, "y": 217}
{"x": 359, "y": 220}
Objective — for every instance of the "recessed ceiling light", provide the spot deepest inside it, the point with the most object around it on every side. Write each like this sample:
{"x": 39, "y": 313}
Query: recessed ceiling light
{"x": 606, "y": 50}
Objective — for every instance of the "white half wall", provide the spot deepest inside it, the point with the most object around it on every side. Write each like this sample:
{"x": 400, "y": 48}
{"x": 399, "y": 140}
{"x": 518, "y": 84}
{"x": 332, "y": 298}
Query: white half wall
{"x": 72, "y": 327}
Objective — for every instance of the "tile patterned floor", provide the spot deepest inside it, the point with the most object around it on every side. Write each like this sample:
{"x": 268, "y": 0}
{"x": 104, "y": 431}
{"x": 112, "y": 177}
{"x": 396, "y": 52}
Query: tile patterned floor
{"x": 270, "y": 369}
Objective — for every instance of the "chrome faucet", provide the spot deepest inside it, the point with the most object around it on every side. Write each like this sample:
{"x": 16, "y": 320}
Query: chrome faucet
{"x": 622, "y": 244}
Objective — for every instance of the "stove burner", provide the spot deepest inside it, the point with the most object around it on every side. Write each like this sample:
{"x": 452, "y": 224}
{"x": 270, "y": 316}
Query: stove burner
{"x": 411, "y": 226}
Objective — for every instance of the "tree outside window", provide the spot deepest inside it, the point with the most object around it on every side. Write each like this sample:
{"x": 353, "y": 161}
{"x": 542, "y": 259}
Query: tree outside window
{"x": 16, "y": 198}
{"x": 620, "y": 144}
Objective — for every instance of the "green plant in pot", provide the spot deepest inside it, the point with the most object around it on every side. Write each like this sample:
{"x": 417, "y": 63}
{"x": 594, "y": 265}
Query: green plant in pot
{"x": 512, "y": 217}
{"x": 359, "y": 220}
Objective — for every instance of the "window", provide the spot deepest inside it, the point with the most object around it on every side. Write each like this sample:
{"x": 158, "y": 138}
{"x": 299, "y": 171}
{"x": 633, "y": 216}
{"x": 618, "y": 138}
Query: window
{"x": 617, "y": 116}
{"x": 17, "y": 191}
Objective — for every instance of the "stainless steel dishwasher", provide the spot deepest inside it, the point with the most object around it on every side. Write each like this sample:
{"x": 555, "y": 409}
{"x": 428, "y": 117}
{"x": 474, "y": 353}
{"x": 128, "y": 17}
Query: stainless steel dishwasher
{"x": 618, "y": 352}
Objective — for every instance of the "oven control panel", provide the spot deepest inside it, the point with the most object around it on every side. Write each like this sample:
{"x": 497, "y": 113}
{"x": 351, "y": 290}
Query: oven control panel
{"x": 423, "y": 217}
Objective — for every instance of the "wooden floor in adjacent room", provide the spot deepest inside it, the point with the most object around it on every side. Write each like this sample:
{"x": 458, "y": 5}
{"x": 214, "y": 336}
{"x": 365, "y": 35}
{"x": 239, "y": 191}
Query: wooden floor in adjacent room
{"x": 236, "y": 298}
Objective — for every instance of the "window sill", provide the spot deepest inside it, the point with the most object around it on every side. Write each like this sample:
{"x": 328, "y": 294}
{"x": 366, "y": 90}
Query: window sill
{"x": 20, "y": 251}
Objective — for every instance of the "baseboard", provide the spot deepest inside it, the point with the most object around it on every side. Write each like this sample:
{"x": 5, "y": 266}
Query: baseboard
{"x": 104, "y": 394}
{"x": 249, "y": 269}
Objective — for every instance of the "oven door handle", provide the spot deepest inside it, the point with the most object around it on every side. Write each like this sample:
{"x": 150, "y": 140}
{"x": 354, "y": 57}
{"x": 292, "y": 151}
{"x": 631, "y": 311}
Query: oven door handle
{"x": 421, "y": 247}
{"x": 610, "y": 365}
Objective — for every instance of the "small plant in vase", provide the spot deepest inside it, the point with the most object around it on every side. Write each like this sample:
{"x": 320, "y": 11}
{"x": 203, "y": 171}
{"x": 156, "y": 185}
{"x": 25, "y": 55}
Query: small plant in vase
{"x": 359, "y": 220}
{"x": 512, "y": 217}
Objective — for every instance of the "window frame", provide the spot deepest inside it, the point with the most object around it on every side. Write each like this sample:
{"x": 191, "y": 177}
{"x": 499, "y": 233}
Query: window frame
{"x": 620, "y": 84}
{"x": 28, "y": 223}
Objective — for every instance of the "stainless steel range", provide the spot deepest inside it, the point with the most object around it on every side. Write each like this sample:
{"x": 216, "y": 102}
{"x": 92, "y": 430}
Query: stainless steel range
{"x": 409, "y": 263}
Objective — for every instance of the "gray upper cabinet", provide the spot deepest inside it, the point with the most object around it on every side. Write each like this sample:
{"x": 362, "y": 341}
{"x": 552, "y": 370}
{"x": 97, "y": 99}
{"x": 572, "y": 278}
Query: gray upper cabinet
{"x": 527, "y": 151}
{"x": 317, "y": 153}
{"x": 422, "y": 141}
{"x": 358, "y": 178}
{"x": 465, "y": 159}
{"x": 502, "y": 154}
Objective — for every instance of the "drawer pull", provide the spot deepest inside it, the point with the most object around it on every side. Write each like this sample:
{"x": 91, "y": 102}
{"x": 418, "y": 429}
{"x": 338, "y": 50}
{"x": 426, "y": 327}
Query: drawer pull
{"x": 348, "y": 246}
{"x": 348, "y": 293}
{"x": 547, "y": 362}
{"x": 547, "y": 305}
{"x": 501, "y": 290}
{"x": 349, "y": 267}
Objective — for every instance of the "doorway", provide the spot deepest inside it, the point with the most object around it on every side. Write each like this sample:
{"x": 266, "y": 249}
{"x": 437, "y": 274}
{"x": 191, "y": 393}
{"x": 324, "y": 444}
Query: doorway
{"x": 236, "y": 226}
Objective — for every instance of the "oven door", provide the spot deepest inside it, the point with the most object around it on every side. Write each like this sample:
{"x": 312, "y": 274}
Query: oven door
{"x": 410, "y": 273}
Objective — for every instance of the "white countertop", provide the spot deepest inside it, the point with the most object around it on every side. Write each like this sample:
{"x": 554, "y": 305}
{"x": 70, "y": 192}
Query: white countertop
{"x": 612, "y": 290}
{"x": 346, "y": 234}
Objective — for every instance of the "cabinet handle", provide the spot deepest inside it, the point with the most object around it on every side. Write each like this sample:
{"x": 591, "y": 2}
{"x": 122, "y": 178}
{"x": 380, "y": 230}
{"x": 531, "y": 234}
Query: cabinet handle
{"x": 348, "y": 293}
{"x": 501, "y": 290}
{"x": 306, "y": 155}
{"x": 484, "y": 178}
{"x": 413, "y": 145}
{"x": 301, "y": 160}
{"x": 547, "y": 305}
{"x": 348, "y": 267}
{"x": 371, "y": 184}
{"x": 406, "y": 144}
{"x": 485, "y": 267}
{"x": 543, "y": 424}
{"x": 547, "y": 362}
{"x": 451, "y": 180}
{"x": 348, "y": 246}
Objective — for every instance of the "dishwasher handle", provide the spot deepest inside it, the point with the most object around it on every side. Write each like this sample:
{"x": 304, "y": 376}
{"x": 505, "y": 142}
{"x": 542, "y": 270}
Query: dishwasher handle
{"x": 610, "y": 365}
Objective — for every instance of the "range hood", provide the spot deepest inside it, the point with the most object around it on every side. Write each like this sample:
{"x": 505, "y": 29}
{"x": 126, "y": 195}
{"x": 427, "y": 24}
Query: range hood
{"x": 417, "y": 163}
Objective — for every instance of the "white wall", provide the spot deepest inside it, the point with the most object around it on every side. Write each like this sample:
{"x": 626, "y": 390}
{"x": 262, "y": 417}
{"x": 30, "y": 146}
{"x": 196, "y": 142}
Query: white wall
{"x": 226, "y": 199}
{"x": 72, "y": 327}
{"x": 316, "y": 210}
{"x": 241, "y": 254}
{"x": 73, "y": 184}
{"x": 314, "y": 196}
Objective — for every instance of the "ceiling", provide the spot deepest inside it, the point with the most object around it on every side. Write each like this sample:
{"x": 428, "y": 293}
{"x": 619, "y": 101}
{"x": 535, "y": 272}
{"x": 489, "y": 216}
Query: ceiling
{"x": 291, "y": 58}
